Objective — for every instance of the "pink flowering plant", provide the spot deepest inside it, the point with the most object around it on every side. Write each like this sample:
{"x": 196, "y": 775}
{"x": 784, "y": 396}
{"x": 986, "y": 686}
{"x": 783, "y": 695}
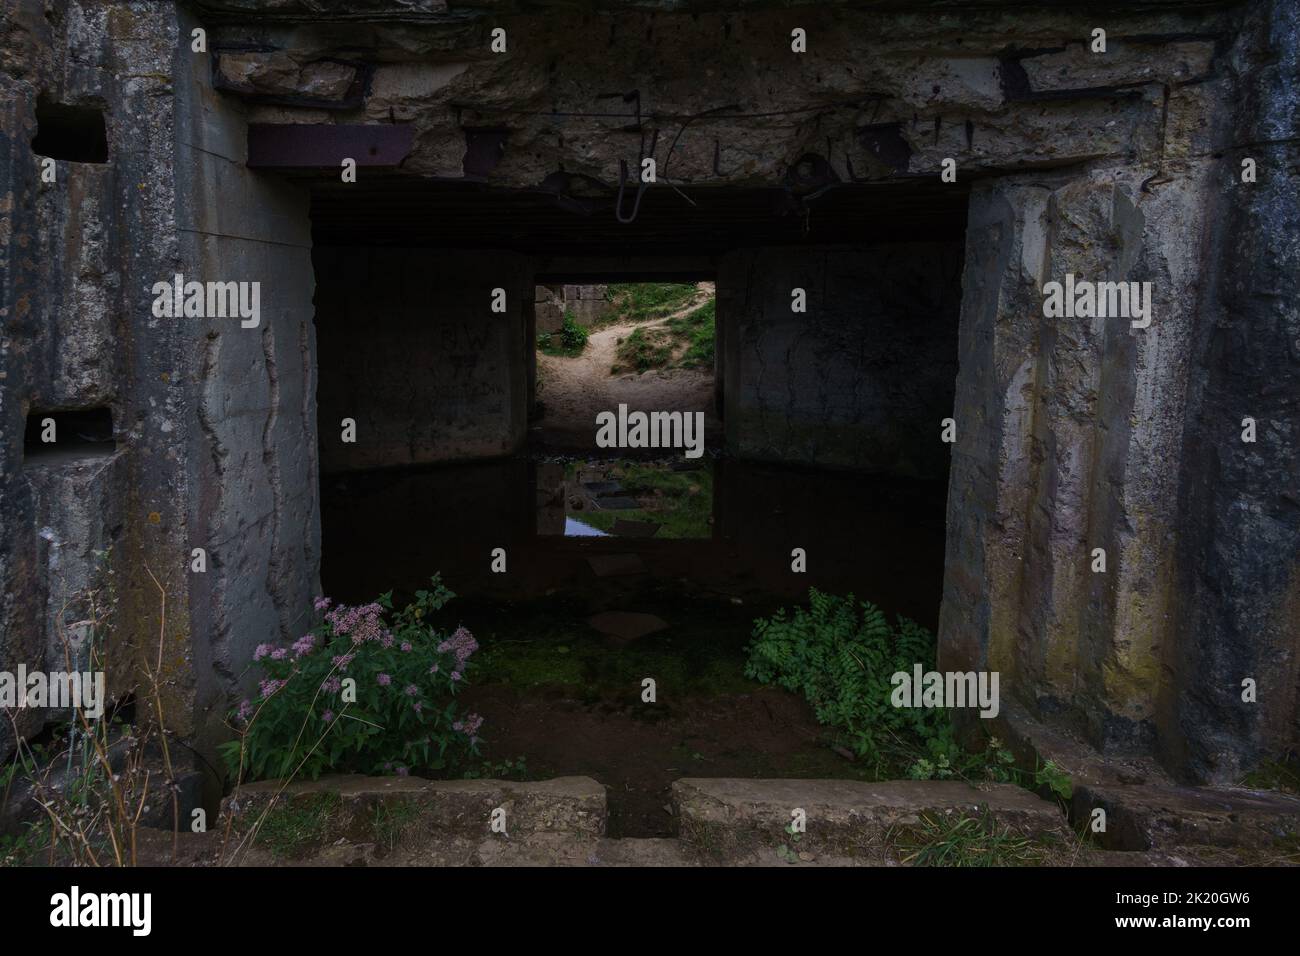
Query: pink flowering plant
{"x": 367, "y": 690}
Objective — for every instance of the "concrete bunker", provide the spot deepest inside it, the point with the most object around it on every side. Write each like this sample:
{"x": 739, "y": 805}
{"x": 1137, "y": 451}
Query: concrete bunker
{"x": 1070, "y": 435}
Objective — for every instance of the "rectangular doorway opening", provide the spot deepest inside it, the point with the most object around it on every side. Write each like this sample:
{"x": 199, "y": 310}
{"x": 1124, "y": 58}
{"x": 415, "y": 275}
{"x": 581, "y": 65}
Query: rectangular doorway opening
{"x": 834, "y": 360}
{"x": 623, "y": 417}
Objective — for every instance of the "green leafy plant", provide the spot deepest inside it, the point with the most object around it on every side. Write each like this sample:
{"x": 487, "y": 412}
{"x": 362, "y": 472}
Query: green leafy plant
{"x": 840, "y": 654}
{"x": 1055, "y": 779}
{"x": 368, "y": 690}
{"x": 569, "y": 341}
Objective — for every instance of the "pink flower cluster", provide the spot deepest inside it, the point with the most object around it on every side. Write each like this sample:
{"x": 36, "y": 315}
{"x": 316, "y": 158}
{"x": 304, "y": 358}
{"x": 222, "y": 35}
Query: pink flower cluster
{"x": 304, "y": 645}
{"x": 363, "y": 623}
{"x": 470, "y": 725}
{"x": 269, "y": 686}
{"x": 461, "y": 644}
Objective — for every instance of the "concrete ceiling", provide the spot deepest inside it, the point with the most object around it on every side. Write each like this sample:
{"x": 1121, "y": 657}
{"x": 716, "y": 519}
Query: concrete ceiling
{"x": 404, "y": 211}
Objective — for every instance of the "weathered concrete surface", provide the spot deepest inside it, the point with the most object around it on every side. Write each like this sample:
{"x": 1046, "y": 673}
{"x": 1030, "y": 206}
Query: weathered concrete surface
{"x": 75, "y": 262}
{"x": 1034, "y": 742}
{"x": 1037, "y": 485}
{"x": 1170, "y": 818}
{"x": 846, "y": 818}
{"x": 78, "y": 511}
{"x": 879, "y": 92}
{"x": 1077, "y": 435}
{"x": 412, "y": 351}
{"x": 451, "y": 818}
{"x": 1238, "y": 613}
{"x": 864, "y": 377}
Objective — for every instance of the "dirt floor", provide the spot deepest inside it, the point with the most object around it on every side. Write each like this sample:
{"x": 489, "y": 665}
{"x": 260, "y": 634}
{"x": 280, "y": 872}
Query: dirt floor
{"x": 637, "y": 750}
{"x": 553, "y": 689}
{"x": 573, "y": 390}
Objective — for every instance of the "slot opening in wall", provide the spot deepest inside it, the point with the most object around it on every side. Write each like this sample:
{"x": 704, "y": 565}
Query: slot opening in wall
{"x": 75, "y": 134}
{"x": 53, "y": 437}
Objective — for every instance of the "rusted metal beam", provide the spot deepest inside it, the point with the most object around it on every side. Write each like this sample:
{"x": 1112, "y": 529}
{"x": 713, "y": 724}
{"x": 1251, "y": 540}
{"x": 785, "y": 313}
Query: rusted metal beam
{"x": 326, "y": 145}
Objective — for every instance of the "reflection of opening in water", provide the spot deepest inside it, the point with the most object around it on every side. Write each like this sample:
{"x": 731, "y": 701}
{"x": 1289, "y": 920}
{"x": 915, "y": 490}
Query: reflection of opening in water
{"x": 880, "y": 537}
{"x": 576, "y": 529}
{"x": 621, "y": 498}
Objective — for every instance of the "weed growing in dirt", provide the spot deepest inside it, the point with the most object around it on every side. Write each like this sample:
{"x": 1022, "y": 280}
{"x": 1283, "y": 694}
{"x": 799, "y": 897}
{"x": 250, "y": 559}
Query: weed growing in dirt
{"x": 1280, "y": 774}
{"x": 98, "y": 780}
{"x": 298, "y": 827}
{"x": 966, "y": 841}
{"x": 1056, "y": 780}
{"x": 643, "y": 350}
{"x": 697, "y": 329}
{"x": 645, "y": 301}
{"x": 516, "y": 769}
{"x": 691, "y": 336}
{"x": 391, "y": 820}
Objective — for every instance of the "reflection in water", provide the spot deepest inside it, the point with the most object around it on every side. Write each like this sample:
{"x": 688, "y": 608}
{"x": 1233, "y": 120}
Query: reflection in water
{"x": 880, "y": 537}
{"x": 670, "y": 499}
{"x": 574, "y": 528}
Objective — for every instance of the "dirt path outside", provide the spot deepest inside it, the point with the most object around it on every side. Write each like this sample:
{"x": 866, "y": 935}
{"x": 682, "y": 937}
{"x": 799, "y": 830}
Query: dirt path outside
{"x": 574, "y": 390}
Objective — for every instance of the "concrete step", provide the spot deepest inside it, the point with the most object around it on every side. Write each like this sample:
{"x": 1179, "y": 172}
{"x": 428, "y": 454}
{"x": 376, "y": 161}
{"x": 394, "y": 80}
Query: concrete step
{"x": 1144, "y": 817}
{"x": 358, "y": 810}
{"x": 740, "y": 820}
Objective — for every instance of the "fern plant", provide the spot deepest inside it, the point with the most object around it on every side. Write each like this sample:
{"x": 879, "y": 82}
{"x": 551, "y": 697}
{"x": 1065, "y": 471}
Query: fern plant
{"x": 840, "y": 654}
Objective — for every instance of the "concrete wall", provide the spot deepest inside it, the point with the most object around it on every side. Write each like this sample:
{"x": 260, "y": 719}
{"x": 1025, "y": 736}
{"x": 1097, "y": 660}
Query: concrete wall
{"x": 80, "y": 533}
{"x": 1079, "y": 434}
{"x": 250, "y": 424}
{"x": 864, "y": 377}
{"x": 212, "y": 422}
{"x": 412, "y": 351}
{"x": 587, "y": 303}
{"x": 1036, "y": 483}
{"x": 1238, "y": 613}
